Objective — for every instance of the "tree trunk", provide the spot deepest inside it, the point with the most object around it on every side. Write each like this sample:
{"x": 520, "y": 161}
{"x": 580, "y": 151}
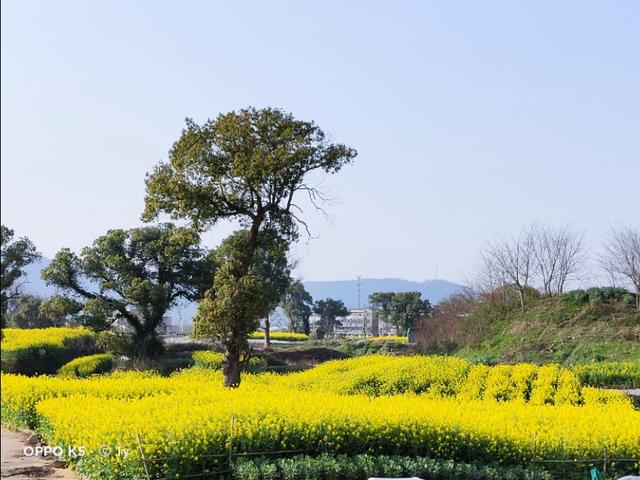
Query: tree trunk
{"x": 267, "y": 332}
{"x": 375, "y": 329}
{"x": 231, "y": 368}
{"x": 521, "y": 295}
{"x": 306, "y": 326}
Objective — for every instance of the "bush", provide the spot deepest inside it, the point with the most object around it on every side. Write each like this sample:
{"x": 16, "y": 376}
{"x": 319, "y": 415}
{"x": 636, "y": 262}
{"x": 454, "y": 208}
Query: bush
{"x": 601, "y": 295}
{"x": 609, "y": 374}
{"x": 45, "y": 350}
{"x": 86, "y": 366}
{"x": 343, "y": 467}
{"x": 116, "y": 343}
{"x": 213, "y": 360}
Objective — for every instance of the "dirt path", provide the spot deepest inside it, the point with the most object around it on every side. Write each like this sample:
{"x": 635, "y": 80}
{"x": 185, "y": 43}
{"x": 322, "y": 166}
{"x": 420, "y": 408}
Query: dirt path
{"x": 18, "y": 466}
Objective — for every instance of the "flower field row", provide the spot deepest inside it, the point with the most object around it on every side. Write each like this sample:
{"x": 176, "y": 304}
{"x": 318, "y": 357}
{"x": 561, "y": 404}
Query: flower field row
{"x": 185, "y": 427}
{"x": 439, "y": 376}
{"x": 44, "y": 350}
{"x": 283, "y": 336}
{"x": 388, "y": 338}
{"x": 17, "y": 338}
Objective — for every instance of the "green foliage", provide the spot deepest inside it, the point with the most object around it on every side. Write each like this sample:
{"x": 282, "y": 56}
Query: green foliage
{"x": 245, "y": 166}
{"x": 329, "y": 310}
{"x": 86, "y": 366}
{"x": 213, "y": 360}
{"x": 44, "y": 351}
{"x": 24, "y": 312}
{"x": 15, "y": 255}
{"x": 297, "y": 305}
{"x": 609, "y": 374}
{"x": 601, "y": 294}
{"x": 360, "y": 467}
{"x": 64, "y": 310}
{"x": 404, "y": 309}
{"x": 116, "y": 343}
{"x": 141, "y": 273}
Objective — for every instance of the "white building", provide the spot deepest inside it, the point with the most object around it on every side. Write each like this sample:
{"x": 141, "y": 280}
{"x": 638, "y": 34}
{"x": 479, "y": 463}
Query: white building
{"x": 360, "y": 322}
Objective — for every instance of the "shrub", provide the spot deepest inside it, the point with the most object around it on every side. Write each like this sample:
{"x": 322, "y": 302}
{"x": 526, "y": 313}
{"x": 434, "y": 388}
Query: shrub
{"x": 601, "y": 294}
{"x": 213, "y": 360}
{"x": 344, "y": 467}
{"x": 45, "y": 350}
{"x": 609, "y": 374}
{"x": 116, "y": 343}
{"x": 86, "y": 366}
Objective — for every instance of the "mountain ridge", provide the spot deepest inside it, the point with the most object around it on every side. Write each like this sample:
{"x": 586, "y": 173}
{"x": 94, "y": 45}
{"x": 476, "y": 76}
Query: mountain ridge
{"x": 434, "y": 290}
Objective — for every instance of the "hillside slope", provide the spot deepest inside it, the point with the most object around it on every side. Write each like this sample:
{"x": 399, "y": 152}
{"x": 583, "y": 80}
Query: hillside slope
{"x": 563, "y": 330}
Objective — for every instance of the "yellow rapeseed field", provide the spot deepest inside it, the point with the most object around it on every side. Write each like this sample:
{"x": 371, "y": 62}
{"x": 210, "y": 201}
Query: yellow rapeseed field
{"x": 16, "y": 338}
{"x": 440, "y": 407}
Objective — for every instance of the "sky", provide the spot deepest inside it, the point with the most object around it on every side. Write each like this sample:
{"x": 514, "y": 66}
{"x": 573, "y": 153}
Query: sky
{"x": 470, "y": 118}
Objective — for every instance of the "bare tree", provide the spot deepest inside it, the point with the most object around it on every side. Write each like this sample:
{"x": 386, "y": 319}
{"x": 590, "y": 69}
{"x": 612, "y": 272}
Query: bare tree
{"x": 622, "y": 257}
{"x": 511, "y": 262}
{"x": 559, "y": 255}
{"x": 572, "y": 255}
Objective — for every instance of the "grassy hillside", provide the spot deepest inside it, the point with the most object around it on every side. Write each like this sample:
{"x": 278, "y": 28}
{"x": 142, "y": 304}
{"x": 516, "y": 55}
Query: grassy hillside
{"x": 572, "y": 328}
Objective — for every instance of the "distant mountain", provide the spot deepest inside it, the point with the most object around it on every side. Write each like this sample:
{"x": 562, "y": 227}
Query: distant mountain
{"x": 347, "y": 290}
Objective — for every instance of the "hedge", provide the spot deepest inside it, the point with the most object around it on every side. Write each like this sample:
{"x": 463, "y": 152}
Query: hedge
{"x": 86, "y": 366}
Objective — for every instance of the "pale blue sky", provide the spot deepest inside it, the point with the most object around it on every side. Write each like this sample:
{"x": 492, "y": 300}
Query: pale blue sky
{"x": 470, "y": 118}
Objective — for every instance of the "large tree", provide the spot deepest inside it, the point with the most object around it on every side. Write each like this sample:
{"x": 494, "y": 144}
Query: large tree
{"x": 381, "y": 305}
{"x": 249, "y": 166}
{"x": 297, "y": 304}
{"x": 329, "y": 310}
{"x": 558, "y": 255}
{"x": 16, "y": 255}
{"x": 407, "y": 308}
{"x": 136, "y": 275}
{"x": 511, "y": 263}
{"x": 622, "y": 257}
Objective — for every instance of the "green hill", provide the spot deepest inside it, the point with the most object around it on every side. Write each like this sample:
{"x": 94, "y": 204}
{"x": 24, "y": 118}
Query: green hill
{"x": 577, "y": 327}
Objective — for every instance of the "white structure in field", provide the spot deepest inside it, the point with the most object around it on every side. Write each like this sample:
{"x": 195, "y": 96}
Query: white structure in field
{"x": 360, "y": 322}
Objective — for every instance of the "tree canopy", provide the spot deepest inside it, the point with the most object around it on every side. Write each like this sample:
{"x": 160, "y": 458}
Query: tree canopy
{"x": 406, "y": 308}
{"x": 16, "y": 255}
{"x": 136, "y": 275}
{"x": 248, "y": 166}
{"x": 297, "y": 305}
{"x": 329, "y": 310}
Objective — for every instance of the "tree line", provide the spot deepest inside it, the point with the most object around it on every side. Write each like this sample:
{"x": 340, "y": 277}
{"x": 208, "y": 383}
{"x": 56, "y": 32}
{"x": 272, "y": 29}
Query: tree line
{"x": 545, "y": 259}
